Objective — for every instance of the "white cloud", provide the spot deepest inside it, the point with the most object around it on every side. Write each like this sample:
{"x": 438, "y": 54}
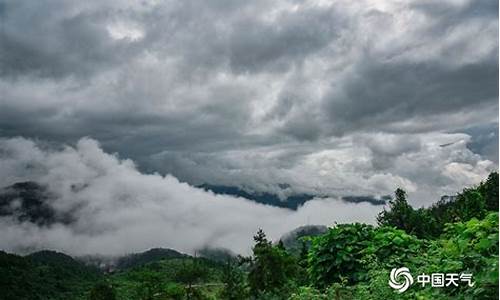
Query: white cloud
{"x": 120, "y": 210}
{"x": 122, "y": 30}
{"x": 336, "y": 98}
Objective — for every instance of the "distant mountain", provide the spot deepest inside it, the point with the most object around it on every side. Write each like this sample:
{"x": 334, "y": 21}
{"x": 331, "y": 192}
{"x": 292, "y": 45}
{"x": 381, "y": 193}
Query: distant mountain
{"x": 111, "y": 264}
{"x": 369, "y": 199}
{"x": 45, "y": 275}
{"x": 27, "y": 201}
{"x": 222, "y": 255}
{"x": 152, "y": 255}
{"x": 291, "y": 202}
{"x": 53, "y": 257}
{"x": 30, "y": 201}
{"x": 293, "y": 239}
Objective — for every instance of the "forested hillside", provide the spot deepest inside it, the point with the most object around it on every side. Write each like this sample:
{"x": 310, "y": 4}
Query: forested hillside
{"x": 347, "y": 261}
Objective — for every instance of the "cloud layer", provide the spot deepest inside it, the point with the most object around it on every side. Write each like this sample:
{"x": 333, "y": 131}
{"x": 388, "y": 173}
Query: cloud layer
{"x": 343, "y": 98}
{"x": 116, "y": 209}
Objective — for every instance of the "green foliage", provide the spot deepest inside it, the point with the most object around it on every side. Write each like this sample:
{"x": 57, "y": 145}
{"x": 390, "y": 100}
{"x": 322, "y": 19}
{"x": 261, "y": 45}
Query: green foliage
{"x": 430, "y": 222}
{"x": 392, "y": 247}
{"x": 141, "y": 259}
{"x": 400, "y": 214}
{"x": 177, "y": 278}
{"x": 348, "y": 261}
{"x": 102, "y": 291}
{"x": 458, "y": 236}
{"x": 234, "y": 283}
{"x": 338, "y": 254}
{"x": 174, "y": 291}
{"x": 489, "y": 190}
{"x": 149, "y": 284}
{"x": 345, "y": 253}
{"x": 377, "y": 288}
{"x": 272, "y": 270}
{"x": 470, "y": 247}
{"x": 44, "y": 275}
{"x": 191, "y": 272}
{"x": 308, "y": 293}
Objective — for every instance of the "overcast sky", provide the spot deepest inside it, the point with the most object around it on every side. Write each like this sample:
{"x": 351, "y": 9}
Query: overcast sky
{"x": 331, "y": 97}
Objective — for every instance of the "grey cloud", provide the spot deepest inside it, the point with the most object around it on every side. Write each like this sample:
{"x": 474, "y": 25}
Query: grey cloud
{"x": 386, "y": 148}
{"x": 342, "y": 99}
{"x": 116, "y": 202}
{"x": 255, "y": 45}
{"x": 456, "y": 11}
{"x": 380, "y": 94}
{"x": 484, "y": 140}
{"x": 409, "y": 76}
{"x": 50, "y": 39}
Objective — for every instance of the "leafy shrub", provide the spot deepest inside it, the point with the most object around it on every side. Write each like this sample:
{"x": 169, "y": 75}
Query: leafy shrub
{"x": 392, "y": 247}
{"x": 102, "y": 291}
{"x": 470, "y": 247}
{"x": 489, "y": 190}
{"x": 338, "y": 257}
{"x": 44, "y": 275}
{"x": 174, "y": 291}
{"x": 273, "y": 271}
{"x": 475, "y": 202}
{"x": 347, "y": 252}
{"x": 338, "y": 254}
{"x": 234, "y": 283}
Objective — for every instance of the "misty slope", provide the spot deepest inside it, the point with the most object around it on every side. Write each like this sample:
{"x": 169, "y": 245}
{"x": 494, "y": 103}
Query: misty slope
{"x": 294, "y": 239}
{"x": 28, "y": 201}
{"x": 53, "y": 275}
{"x": 50, "y": 275}
{"x": 468, "y": 221}
{"x": 222, "y": 255}
{"x": 149, "y": 256}
{"x": 293, "y": 201}
{"x": 167, "y": 278}
{"x": 44, "y": 275}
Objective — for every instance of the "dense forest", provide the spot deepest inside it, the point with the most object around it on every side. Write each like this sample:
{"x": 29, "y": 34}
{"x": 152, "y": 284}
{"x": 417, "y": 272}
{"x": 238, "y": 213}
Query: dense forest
{"x": 347, "y": 261}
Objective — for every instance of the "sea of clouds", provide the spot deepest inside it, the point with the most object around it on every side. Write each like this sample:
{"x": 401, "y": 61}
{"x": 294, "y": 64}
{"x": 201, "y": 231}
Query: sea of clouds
{"x": 118, "y": 209}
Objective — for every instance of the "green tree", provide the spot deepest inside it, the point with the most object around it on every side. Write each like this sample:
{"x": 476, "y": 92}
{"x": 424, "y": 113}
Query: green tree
{"x": 390, "y": 247}
{"x": 102, "y": 291}
{"x": 304, "y": 250}
{"x": 400, "y": 214}
{"x": 174, "y": 291}
{"x": 191, "y": 272}
{"x": 272, "y": 269}
{"x": 337, "y": 255}
{"x": 234, "y": 283}
{"x": 281, "y": 245}
{"x": 489, "y": 190}
{"x": 149, "y": 284}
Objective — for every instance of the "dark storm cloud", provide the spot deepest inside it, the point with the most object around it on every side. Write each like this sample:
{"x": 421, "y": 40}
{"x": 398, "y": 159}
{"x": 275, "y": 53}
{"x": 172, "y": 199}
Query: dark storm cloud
{"x": 406, "y": 77}
{"x": 454, "y": 13}
{"x": 255, "y": 45}
{"x": 380, "y": 94}
{"x": 484, "y": 140}
{"x": 51, "y": 39}
{"x": 261, "y": 93}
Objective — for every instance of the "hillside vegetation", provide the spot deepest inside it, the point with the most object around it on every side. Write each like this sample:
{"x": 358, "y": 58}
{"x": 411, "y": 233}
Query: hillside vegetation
{"x": 346, "y": 261}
